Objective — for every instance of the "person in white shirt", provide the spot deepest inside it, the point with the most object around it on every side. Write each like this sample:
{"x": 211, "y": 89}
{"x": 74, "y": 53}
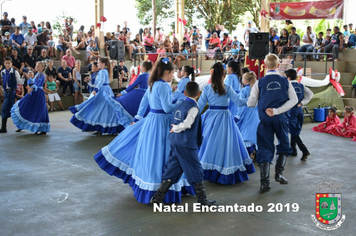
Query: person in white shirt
{"x": 309, "y": 40}
{"x": 223, "y": 30}
{"x": 251, "y": 29}
{"x": 30, "y": 39}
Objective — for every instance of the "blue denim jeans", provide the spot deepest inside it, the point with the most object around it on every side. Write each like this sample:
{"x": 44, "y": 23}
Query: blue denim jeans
{"x": 306, "y": 48}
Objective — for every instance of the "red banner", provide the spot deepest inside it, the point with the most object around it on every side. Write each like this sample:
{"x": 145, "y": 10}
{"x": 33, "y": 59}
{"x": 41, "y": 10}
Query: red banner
{"x": 253, "y": 66}
{"x": 307, "y": 10}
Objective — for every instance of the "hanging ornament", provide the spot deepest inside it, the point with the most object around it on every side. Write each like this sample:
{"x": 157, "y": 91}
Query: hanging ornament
{"x": 98, "y": 25}
{"x": 103, "y": 19}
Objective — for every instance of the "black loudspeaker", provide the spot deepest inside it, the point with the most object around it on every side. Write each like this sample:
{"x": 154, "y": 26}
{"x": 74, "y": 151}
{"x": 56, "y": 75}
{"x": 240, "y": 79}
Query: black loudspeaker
{"x": 258, "y": 45}
{"x": 117, "y": 50}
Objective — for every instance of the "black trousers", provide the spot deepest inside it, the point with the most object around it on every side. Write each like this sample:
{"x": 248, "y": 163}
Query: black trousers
{"x": 65, "y": 84}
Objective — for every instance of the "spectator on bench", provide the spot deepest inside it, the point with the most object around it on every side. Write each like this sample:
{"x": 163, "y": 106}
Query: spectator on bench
{"x": 6, "y": 24}
{"x": 308, "y": 39}
{"x": 65, "y": 78}
{"x": 24, "y": 25}
{"x": 69, "y": 59}
{"x": 42, "y": 41}
{"x": 293, "y": 42}
{"x": 273, "y": 42}
{"x": 148, "y": 42}
{"x": 29, "y": 60}
{"x": 30, "y": 39}
{"x": 43, "y": 56}
{"x": 336, "y": 44}
{"x": 17, "y": 62}
{"x": 18, "y": 41}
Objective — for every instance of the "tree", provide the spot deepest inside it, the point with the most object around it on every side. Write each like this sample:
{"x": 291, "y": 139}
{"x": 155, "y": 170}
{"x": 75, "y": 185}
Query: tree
{"x": 58, "y": 23}
{"x": 164, "y": 11}
{"x": 223, "y": 12}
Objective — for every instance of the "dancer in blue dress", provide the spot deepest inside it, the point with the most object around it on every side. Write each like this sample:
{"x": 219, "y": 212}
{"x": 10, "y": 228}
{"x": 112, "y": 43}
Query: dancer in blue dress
{"x": 91, "y": 80}
{"x": 128, "y": 101}
{"x": 139, "y": 153}
{"x": 223, "y": 154}
{"x": 187, "y": 71}
{"x": 234, "y": 80}
{"x": 96, "y": 114}
{"x": 31, "y": 112}
{"x": 248, "y": 118}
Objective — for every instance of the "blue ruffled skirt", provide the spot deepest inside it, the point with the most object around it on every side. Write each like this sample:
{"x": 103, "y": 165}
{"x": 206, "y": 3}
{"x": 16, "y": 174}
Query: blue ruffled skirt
{"x": 248, "y": 122}
{"x": 96, "y": 114}
{"x": 30, "y": 113}
{"x": 126, "y": 106}
{"x": 138, "y": 156}
{"x": 223, "y": 154}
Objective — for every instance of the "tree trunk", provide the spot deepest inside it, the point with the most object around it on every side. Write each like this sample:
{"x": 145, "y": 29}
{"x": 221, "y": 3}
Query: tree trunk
{"x": 154, "y": 18}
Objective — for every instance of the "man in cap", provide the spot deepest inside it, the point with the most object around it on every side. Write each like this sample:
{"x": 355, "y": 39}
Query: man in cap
{"x": 24, "y": 25}
{"x": 251, "y": 28}
{"x": 6, "y": 24}
{"x": 236, "y": 42}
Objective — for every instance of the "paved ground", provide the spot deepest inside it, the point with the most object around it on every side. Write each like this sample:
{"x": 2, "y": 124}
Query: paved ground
{"x": 50, "y": 185}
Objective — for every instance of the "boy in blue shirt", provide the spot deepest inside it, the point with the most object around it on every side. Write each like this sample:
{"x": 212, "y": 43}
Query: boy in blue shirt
{"x": 185, "y": 138}
{"x": 296, "y": 116}
{"x": 275, "y": 96}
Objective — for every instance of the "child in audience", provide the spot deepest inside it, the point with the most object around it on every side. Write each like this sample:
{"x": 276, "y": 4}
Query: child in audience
{"x": 347, "y": 128}
{"x": 161, "y": 51}
{"x": 51, "y": 89}
{"x": 354, "y": 85}
{"x": 183, "y": 56}
{"x": 332, "y": 120}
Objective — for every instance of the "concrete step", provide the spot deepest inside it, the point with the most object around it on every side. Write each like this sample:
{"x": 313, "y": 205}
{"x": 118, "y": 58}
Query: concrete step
{"x": 319, "y": 67}
{"x": 349, "y": 102}
{"x": 351, "y": 66}
{"x": 349, "y": 91}
{"x": 348, "y": 55}
{"x": 347, "y": 78}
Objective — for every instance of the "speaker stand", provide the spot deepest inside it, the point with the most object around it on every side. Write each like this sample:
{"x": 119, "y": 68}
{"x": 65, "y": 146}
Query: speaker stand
{"x": 259, "y": 69}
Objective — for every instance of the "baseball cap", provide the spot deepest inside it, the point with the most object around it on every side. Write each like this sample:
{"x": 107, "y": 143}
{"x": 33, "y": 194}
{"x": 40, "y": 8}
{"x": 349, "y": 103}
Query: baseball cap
{"x": 121, "y": 61}
{"x": 30, "y": 27}
{"x": 24, "y": 17}
{"x": 250, "y": 22}
{"x": 5, "y": 14}
{"x": 235, "y": 36}
{"x": 7, "y": 33}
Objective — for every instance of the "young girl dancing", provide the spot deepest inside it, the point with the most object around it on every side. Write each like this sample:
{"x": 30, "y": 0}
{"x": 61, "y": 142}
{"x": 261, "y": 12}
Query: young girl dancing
{"x": 96, "y": 114}
{"x": 178, "y": 95}
{"x": 31, "y": 111}
{"x": 234, "y": 80}
{"x": 223, "y": 155}
{"x": 128, "y": 101}
{"x": 248, "y": 116}
{"x": 332, "y": 120}
{"x": 347, "y": 128}
{"x": 139, "y": 153}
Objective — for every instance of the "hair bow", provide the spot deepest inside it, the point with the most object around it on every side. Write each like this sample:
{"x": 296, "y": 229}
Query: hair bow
{"x": 165, "y": 60}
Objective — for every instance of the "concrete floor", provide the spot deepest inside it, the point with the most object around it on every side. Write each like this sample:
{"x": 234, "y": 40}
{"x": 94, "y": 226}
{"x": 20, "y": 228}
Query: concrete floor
{"x": 50, "y": 185}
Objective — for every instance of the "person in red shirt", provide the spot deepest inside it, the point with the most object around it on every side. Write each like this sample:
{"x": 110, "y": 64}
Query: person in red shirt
{"x": 148, "y": 42}
{"x": 69, "y": 59}
{"x": 214, "y": 45}
{"x": 226, "y": 42}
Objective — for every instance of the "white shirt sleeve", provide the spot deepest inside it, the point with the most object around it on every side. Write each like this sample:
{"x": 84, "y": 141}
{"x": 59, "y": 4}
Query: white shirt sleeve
{"x": 254, "y": 95}
{"x": 187, "y": 123}
{"x": 308, "y": 95}
{"x": 18, "y": 78}
{"x": 293, "y": 100}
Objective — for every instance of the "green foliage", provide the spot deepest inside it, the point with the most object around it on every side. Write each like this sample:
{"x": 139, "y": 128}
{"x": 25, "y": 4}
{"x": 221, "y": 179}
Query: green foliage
{"x": 164, "y": 11}
{"x": 58, "y": 23}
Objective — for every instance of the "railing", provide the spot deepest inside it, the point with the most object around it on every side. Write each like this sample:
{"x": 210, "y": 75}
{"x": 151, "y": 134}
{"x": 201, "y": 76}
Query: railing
{"x": 305, "y": 54}
{"x": 198, "y": 57}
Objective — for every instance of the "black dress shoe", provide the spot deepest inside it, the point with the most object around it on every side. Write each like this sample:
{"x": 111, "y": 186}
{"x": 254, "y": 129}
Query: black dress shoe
{"x": 19, "y": 130}
{"x": 40, "y": 133}
{"x": 3, "y": 131}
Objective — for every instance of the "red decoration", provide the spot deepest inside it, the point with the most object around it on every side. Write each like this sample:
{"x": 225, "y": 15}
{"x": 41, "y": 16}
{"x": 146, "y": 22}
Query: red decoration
{"x": 98, "y": 25}
{"x": 264, "y": 13}
{"x": 103, "y": 19}
{"x": 184, "y": 21}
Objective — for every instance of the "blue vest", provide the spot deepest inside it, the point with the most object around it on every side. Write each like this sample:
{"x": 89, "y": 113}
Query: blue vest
{"x": 273, "y": 93}
{"x": 190, "y": 138}
{"x": 11, "y": 80}
{"x": 299, "y": 90}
